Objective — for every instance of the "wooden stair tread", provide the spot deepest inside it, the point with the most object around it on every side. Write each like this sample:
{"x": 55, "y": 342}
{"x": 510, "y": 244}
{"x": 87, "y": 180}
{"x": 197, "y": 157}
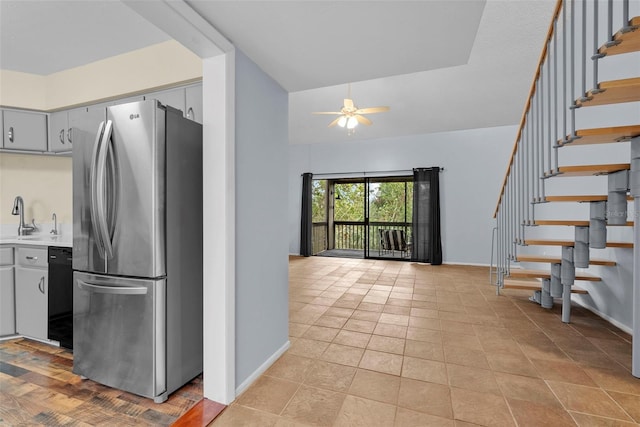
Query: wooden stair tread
{"x": 572, "y": 223}
{"x": 591, "y": 170}
{"x": 544, "y": 274}
{"x": 628, "y": 42}
{"x": 614, "y": 92}
{"x": 556, "y": 260}
{"x": 581, "y": 198}
{"x": 603, "y": 135}
{"x": 535, "y": 285}
{"x": 553, "y": 242}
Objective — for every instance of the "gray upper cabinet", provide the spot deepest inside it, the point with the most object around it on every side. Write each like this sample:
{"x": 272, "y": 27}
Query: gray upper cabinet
{"x": 194, "y": 103}
{"x": 24, "y": 130}
{"x": 87, "y": 119}
{"x": 59, "y": 132}
{"x": 173, "y": 97}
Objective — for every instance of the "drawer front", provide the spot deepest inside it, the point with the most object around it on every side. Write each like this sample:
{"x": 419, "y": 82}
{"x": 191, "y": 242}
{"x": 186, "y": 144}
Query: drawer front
{"x": 32, "y": 257}
{"x": 6, "y": 256}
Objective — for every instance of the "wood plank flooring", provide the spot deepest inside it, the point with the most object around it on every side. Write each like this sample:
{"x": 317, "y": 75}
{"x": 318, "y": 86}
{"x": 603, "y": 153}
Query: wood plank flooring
{"x": 37, "y": 388}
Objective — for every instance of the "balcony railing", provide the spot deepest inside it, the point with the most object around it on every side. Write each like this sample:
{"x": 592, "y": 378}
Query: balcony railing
{"x": 351, "y": 234}
{"x": 319, "y": 237}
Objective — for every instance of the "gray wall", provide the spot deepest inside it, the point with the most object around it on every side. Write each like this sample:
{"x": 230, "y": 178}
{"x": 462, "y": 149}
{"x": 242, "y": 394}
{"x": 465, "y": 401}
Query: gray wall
{"x": 261, "y": 225}
{"x": 474, "y": 160}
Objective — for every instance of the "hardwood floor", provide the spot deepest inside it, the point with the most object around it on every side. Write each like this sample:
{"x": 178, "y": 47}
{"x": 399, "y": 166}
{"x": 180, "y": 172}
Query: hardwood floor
{"x": 37, "y": 388}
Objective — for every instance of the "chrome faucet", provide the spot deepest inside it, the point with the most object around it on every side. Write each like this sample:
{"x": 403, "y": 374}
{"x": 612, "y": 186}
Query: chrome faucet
{"x": 54, "y": 231}
{"x": 18, "y": 209}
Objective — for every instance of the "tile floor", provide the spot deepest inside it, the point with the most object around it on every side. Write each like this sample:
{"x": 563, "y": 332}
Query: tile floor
{"x": 37, "y": 388}
{"x": 383, "y": 343}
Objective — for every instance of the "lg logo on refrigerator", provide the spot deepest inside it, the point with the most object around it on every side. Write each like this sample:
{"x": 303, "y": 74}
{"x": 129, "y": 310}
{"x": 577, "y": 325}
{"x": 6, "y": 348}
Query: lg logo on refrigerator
{"x": 134, "y": 116}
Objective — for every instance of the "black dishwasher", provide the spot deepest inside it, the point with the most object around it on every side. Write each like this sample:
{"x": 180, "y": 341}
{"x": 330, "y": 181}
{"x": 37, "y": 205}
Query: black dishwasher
{"x": 60, "y": 296}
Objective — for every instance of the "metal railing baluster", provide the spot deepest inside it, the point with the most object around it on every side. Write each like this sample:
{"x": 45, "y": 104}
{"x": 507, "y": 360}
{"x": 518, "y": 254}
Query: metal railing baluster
{"x": 596, "y": 55}
{"x": 572, "y": 71}
{"x": 550, "y": 142}
{"x": 565, "y": 96}
{"x": 555, "y": 97}
{"x": 584, "y": 52}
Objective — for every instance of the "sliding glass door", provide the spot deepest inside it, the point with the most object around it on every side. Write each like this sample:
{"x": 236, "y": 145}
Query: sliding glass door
{"x": 363, "y": 217}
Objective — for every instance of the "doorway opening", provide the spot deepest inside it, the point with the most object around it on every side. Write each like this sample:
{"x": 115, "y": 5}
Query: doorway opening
{"x": 367, "y": 218}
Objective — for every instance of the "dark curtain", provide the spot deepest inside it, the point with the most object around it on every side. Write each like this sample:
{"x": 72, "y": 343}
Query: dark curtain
{"x": 427, "y": 244}
{"x": 306, "y": 247}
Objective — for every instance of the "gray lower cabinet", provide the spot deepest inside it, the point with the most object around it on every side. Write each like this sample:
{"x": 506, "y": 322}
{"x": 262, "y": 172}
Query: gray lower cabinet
{"x": 24, "y": 130}
{"x": 32, "y": 289}
{"x": 7, "y": 293}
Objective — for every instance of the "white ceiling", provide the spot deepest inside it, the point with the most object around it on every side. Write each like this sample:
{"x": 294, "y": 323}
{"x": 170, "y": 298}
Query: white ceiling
{"x": 439, "y": 65}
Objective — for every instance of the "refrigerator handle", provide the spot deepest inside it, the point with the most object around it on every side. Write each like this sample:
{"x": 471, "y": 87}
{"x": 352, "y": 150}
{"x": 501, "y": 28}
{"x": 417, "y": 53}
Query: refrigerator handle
{"x": 93, "y": 207}
{"x": 101, "y": 182}
{"x": 118, "y": 290}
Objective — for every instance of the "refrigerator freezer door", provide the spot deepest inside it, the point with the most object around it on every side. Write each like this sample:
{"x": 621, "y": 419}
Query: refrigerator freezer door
{"x": 136, "y": 217}
{"x": 119, "y": 333}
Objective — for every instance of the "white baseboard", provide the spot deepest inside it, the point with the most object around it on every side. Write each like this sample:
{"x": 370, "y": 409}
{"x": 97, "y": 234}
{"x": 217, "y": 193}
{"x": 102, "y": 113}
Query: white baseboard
{"x": 262, "y": 368}
{"x": 609, "y": 319}
{"x": 473, "y": 264}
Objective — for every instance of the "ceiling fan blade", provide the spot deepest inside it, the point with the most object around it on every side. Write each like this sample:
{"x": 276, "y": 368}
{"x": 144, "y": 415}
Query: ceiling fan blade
{"x": 326, "y": 112}
{"x": 348, "y": 103}
{"x": 372, "y": 110}
{"x": 335, "y": 122}
{"x": 362, "y": 119}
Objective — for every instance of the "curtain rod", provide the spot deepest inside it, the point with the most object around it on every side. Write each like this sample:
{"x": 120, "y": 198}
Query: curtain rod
{"x": 370, "y": 172}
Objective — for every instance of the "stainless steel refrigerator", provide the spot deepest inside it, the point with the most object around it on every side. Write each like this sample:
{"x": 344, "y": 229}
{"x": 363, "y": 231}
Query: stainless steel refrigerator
{"x": 137, "y": 250}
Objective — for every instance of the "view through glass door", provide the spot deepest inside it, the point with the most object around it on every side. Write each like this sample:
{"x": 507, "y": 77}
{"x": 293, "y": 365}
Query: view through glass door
{"x": 363, "y": 218}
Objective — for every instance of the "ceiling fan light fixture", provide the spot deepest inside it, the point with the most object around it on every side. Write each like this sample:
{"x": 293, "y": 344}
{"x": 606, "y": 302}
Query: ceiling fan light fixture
{"x": 342, "y": 122}
{"x": 352, "y": 122}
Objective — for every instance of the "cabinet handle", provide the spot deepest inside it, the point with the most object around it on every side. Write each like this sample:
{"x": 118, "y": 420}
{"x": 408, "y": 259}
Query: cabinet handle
{"x": 11, "y": 134}
{"x": 41, "y": 285}
{"x": 35, "y": 258}
{"x": 190, "y": 113}
{"x": 62, "y": 136}
{"x": 69, "y": 136}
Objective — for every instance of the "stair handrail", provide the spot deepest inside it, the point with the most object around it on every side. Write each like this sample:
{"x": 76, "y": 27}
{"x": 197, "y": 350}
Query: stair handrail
{"x": 527, "y": 107}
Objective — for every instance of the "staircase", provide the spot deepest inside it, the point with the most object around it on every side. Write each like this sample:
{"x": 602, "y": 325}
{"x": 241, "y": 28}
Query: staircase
{"x": 577, "y": 84}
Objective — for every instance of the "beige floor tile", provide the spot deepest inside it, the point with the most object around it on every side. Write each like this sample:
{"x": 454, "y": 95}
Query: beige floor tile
{"x": 375, "y": 386}
{"x": 457, "y": 327}
{"x": 394, "y": 319}
{"x": 425, "y": 370}
{"x": 339, "y": 312}
{"x": 424, "y": 350}
{"x": 475, "y": 379}
{"x": 371, "y": 316}
{"x": 390, "y": 330}
{"x": 409, "y": 418}
{"x": 563, "y": 371}
{"x": 331, "y": 376}
{"x": 480, "y": 408}
{"x": 359, "y": 412}
{"x": 364, "y": 326}
{"x": 461, "y": 340}
{"x": 526, "y": 388}
{"x": 381, "y": 362}
{"x": 236, "y": 415}
{"x": 268, "y": 394}
{"x": 512, "y": 363}
{"x": 386, "y": 344}
{"x": 290, "y": 367}
{"x": 427, "y": 335}
{"x": 465, "y": 356}
{"x": 308, "y": 348}
{"x": 629, "y": 402}
{"x": 425, "y": 323}
{"x": 614, "y": 379}
{"x": 434, "y": 399}
{"x": 589, "y": 400}
{"x": 342, "y": 354}
{"x": 530, "y": 414}
{"x": 366, "y": 306}
{"x": 331, "y": 321}
{"x": 586, "y": 420}
{"x": 321, "y": 333}
{"x": 353, "y": 339}
{"x": 314, "y": 406}
{"x": 395, "y": 309}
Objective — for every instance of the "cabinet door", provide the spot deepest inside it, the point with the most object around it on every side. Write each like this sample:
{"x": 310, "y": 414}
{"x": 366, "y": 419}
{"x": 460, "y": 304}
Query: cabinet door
{"x": 7, "y": 301}
{"x": 59, "y": 132}
{"x": 174, "y": 98}
{"x": 87, "y": 119}
{"x": 194, "y": 103}
{"x": 25, "y": 130}
{"x": 31, "y": 302}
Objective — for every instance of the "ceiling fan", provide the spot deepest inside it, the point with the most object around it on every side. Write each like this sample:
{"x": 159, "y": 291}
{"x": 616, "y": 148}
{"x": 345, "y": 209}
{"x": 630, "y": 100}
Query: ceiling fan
{"x": 350, "y": 115}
